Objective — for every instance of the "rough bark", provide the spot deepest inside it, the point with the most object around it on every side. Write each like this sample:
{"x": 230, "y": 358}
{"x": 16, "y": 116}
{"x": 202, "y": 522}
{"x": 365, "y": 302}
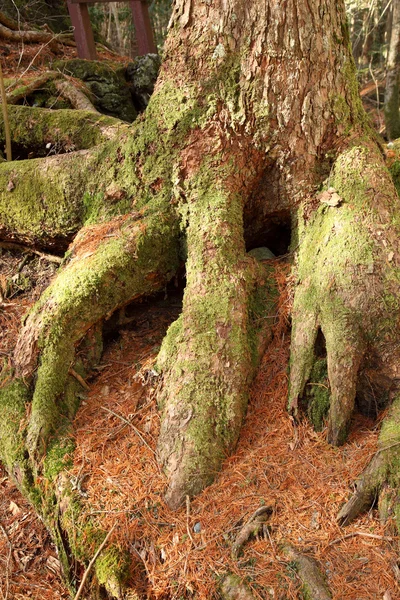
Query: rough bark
{"x": 392, "y": 92}
{"x": 255, "y": 111}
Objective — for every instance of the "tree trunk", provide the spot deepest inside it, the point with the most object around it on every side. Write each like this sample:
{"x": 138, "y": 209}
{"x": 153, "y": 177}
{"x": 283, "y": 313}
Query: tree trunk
{"x": 255, "y": 124}
{"x": 392, "y": 92}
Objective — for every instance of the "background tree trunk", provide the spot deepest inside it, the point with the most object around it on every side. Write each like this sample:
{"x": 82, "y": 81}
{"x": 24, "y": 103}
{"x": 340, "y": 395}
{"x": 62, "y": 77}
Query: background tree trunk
{"x": 392, "y": 92}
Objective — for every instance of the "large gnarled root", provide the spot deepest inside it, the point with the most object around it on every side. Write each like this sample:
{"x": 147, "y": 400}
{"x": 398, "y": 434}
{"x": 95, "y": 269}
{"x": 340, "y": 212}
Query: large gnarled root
{"x": 348, "y": 284}
{"x": 109, "y": 266}
{"x": 382, "y": 470}
{"x": 209, "y": 354}
{"x": 44, "y": 202}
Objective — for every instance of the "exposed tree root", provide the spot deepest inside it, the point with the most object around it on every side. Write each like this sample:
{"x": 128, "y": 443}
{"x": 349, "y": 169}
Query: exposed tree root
{"x": 343, "y": 257}
{"x": 233, "y": 588}
{"x": 381, "y": 471}
{"x": 208, "y": 371}
{"x": 138, "y": 256}
{"x": 75, "y": 96}
{"x": 252, "y": 528}
{"x": 314, "y": 586}
{"x": 34, "y": 128}
{"x": 22, "y": 92}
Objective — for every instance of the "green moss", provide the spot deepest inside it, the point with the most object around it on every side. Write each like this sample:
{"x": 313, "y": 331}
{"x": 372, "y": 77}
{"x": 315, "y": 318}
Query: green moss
{"x": 13, "y": 400}
{"x": 306, "y": 592}
{"x": 107, "y": 84}
{"x": 170, "y": 345}
{"x": 112, "y": 569}
{"x": 32, "y": 130}
{"x": 58, "y": 457}
{"x": 317, "y": 394}
{"x": 394, "y": 170}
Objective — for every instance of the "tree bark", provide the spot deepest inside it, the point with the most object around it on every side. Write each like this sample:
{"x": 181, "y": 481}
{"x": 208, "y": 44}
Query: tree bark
{"x": 392, "y": 92}
{"x": 255, "y": 111}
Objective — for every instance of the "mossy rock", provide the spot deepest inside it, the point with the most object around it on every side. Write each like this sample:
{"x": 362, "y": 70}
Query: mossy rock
{"x": 142, "y": 75}
{"x": 107, "y": 84}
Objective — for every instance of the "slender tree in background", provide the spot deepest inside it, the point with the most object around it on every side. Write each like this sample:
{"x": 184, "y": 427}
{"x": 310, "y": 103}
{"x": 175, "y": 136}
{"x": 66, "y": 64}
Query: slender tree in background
{"x": 255, "y": 128}
{"x": 392, "y": 115}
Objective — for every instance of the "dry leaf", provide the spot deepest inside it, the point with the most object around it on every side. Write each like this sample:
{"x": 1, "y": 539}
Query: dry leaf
{"x": 14, "y": 508}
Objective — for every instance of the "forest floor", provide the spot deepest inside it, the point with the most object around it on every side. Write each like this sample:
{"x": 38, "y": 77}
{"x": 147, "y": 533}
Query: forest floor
{"x": 182, "y": 554}
{"x": 290, "y": 468}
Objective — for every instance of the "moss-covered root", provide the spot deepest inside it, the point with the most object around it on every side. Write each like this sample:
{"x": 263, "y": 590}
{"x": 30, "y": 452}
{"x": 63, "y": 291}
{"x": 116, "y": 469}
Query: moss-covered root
{"x": 108, "y": 267}
{"x": 42, "y": 131}
{"x": 348, "y": 281}
{"x": 313, "y": 584}
{"x": 208, "y": 354}
{"x": 383, "y": 471}
{"x": 45, "y": 201}
{"x": 233, "y": 588}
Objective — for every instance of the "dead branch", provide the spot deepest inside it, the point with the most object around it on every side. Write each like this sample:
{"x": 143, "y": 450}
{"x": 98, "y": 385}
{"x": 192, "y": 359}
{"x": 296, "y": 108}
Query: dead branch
{"x": 35, "y": 37}
{"x": 80, "y": 379}
{"x": 90, "y": 565}
{"x": 361, "y": 534}
{"x": 15, "y": 246}
{"x": 11, "y": 24}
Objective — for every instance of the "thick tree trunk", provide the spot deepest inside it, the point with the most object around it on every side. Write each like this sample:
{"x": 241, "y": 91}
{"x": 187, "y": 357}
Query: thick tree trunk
{"x": 255, "y": 111}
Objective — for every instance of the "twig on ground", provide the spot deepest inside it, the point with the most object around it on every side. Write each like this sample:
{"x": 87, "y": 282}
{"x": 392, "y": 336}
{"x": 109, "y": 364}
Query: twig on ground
{"x": 80, "y": 379}
{"x": 14, "y": 246}
{"x": 8, "y": 561}
{"x": 130, "y": 425}
{"x": 187, "y": 518}
{"x": 361, "y": 534}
